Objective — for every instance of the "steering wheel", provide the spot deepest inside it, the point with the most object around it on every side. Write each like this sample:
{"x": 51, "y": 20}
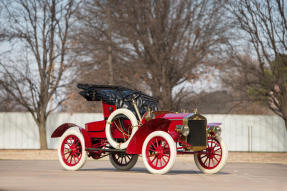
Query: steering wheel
{"x": 128, "y": 98}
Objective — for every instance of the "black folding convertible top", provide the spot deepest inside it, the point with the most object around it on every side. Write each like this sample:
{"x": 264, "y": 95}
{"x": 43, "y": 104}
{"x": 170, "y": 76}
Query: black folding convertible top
{"x": 117, "y": 95}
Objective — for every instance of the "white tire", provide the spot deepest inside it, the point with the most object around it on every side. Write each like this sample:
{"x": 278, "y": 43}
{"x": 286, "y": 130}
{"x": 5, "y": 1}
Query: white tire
{"x": 71, "y": 150}
{"x": 159, "y": 152}
{"x": 108, "y": 132}
{"x": 212, "y": 159}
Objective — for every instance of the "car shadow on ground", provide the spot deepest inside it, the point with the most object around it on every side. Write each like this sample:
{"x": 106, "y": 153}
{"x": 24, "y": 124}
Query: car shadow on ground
{"x": 143, "y": 170}
{"x": 137, "y": 170}
{"x": 174, "y": 172}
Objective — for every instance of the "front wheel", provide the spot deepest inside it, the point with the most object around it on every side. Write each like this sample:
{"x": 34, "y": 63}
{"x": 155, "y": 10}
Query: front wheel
{"x": 159, "y": 152}
{"x": 213, "y": 158}
{"x": 123, "y": 161}
{"x": 71, "y": 150}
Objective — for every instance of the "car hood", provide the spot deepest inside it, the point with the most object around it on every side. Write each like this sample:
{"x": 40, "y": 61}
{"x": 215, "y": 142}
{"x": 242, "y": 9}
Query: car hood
{"x": 176, "y": 116}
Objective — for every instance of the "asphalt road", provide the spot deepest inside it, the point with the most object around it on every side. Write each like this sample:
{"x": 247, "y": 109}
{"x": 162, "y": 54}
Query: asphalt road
{"x": 100, "y": 175}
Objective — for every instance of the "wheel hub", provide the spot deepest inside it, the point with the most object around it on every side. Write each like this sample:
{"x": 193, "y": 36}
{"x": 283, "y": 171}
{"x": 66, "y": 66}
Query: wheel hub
{"x": 159, "y": 153}
{"x": 73, "y": 148}
{"x": 210, "y": 153}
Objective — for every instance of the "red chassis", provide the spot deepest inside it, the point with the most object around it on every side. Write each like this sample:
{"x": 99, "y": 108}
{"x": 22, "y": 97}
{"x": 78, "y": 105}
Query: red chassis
{"x": 133, "y": 126}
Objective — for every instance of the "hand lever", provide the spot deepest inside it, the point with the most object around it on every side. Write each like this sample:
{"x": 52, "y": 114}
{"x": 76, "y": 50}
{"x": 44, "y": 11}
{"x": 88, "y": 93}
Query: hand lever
{"x": 136, "y": 108}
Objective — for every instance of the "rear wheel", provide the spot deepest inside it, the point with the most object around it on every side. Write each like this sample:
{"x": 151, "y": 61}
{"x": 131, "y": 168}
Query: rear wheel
{"x": 159, "y": 152}
{"x": 213, "y": 158}
{"x": 71, "y": 150}
{"x": 123, "y": 161}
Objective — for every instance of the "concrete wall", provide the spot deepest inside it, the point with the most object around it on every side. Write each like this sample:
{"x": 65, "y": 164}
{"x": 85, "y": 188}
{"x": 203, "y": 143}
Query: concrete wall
{"x": 240, "y": 132}
{"x": 19, "y": 131}
{"x": 252, "y": 132}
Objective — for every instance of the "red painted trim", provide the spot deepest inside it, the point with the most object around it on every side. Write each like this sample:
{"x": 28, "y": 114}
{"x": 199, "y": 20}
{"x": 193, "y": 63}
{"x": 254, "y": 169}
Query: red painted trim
{"x": 88, "y": 142}
{"x": 64, "y": 127}
{"x": 96, "y": 126}
{"x": 185, "y": 153}
{"x": 106, "y": 109}
{"x": 173, "y": 134}
{"x": 135, "y": 145}
{"x": 97, "y": 134}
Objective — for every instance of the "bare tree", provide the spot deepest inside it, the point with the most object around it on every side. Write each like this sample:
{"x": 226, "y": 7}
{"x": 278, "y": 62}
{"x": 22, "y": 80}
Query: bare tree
{"x": 93, "y": 37}
{"x": 156, "y": 45}
{"x": 8, "y": 104}
{"x": 34, "y": 76}
{"x": 261, "y": 74}
{"x": 172, "y": 40}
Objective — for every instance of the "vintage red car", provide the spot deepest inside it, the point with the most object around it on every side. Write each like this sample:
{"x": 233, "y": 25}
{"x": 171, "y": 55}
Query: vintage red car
{"x": 133, "y": 126}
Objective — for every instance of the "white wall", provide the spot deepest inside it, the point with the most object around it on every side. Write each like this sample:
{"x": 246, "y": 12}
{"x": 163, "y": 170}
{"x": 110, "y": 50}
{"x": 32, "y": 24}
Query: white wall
{"x": 19, "y": 131}
{"x": 240, "y": 132}
{"x": 252, "y": 132}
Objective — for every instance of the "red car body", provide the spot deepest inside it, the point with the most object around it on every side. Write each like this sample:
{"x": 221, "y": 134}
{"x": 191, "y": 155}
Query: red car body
{"x": 189, "y": 131}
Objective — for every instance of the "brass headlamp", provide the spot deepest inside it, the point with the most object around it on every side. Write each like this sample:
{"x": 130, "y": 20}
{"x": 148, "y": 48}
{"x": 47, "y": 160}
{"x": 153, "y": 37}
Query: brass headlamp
{"x": 215, "y": 131}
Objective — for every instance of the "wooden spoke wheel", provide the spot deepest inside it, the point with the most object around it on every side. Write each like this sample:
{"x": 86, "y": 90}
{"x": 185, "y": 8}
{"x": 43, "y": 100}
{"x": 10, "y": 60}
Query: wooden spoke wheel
{"x": 71, "y": 150}
{"x": 159, "y": 152}
{"x": 213, "y": 158}
{"x": 123, "y": 161}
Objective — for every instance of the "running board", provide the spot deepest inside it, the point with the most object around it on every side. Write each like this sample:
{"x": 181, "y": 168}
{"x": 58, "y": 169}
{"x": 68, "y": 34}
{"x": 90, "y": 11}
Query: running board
{"x": 106, "y": 150}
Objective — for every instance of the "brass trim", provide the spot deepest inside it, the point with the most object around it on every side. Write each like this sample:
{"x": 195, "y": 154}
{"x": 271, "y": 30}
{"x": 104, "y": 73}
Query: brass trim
{"x": 178, "y": 128}
{"x": 148, "y": 115}
{"x": 136, "y": 108}
{"x": 196, "y": 116}
{"x": 198, "y": 148}
{"x": 215, "y": 130}
{"x": 185, "y": 119}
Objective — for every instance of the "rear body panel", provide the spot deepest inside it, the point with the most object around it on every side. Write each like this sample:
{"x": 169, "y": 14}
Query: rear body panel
{"x": 96, "y": 129}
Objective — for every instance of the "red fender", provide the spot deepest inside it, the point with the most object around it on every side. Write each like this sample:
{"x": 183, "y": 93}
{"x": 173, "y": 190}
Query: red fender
{"x": 64, "y": 127}
{"x": 135, "y": 145}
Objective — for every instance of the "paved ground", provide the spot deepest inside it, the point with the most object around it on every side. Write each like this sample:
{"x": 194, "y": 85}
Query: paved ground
{"x": 100, "y": 175}
{"x": 253, "y": 157}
